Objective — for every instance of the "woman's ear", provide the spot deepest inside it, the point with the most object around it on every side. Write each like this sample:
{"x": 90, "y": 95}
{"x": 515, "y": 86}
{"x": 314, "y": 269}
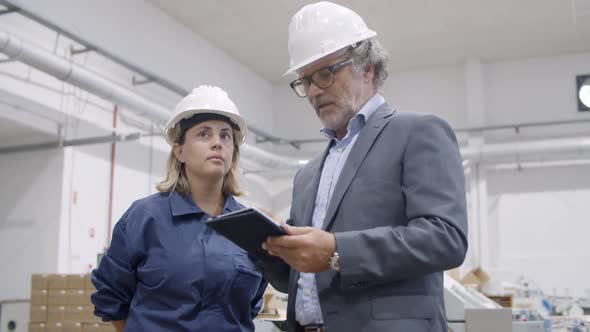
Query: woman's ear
{"x": 177, "y": 149}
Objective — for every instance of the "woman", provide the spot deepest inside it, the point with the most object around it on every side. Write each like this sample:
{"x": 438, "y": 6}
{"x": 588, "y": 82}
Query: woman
{"x": 165, "y": 270}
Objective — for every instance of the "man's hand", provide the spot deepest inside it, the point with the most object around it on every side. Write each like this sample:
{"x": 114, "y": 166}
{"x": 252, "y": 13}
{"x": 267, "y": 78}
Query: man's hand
{"x": 306, "y": 249}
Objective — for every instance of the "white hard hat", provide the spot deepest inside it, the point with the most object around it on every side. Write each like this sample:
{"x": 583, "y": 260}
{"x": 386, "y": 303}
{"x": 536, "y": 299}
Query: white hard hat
{"x": 321, "y": 29}
{"x": 206, "y": 100}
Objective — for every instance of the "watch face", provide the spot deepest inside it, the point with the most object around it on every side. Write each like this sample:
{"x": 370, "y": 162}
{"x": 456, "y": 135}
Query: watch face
{"x": 335, "y": 262}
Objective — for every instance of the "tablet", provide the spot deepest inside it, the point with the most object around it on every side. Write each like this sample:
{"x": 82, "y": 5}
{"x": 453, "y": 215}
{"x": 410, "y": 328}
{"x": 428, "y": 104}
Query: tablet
{"x": 248, "y": 229}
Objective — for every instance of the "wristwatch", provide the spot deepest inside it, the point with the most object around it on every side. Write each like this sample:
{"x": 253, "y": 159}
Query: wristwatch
{"x": 334, "y": 262}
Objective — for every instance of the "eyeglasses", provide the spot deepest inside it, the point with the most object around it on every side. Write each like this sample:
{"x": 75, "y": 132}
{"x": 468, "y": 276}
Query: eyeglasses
{"x": 323, "y": 78}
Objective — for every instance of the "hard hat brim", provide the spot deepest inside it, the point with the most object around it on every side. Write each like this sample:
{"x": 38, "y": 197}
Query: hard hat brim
{"x": 239, "y": 121}
{"x": 367, "y": 35}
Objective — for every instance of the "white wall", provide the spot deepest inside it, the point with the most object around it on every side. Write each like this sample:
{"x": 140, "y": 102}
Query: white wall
{"x": 294, "y": 117}
{"x": 439, "y": 91}
{"x": 535, "y": 90}
{"x": 29, "y": 218}
{"x": 87, "y": 178}
{"x": 527, "y": 90}
{"x": 540, "y": 226}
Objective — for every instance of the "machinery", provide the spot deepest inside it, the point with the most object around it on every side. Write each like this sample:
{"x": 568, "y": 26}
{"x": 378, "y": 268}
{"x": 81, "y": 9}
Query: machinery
{"x": 14, "y": 315}
{"x": 470, "y": 311}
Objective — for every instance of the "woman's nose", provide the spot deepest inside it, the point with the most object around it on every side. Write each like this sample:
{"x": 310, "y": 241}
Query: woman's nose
{"x": 216, "y": 142}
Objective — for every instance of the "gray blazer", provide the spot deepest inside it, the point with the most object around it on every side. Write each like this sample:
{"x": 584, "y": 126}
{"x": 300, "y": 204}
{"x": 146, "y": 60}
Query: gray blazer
{"x": 398, "y": 212}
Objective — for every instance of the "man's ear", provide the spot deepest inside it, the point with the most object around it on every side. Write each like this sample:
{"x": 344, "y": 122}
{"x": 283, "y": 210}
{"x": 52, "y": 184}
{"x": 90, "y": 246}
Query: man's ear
{"x": 369, "y": 72}
{"x": 177, "y": 150}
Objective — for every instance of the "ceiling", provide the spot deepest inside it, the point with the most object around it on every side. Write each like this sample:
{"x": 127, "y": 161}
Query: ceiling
{"x": 417, "y": 33}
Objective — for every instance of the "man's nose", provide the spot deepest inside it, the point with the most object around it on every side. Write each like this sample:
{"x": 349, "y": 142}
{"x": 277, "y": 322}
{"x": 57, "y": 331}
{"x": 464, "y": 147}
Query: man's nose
{"x": 313, "y": 91}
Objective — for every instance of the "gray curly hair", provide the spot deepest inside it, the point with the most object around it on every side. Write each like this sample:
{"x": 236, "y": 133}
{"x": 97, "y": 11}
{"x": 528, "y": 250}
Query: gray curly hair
{"x": 370, "y": 52}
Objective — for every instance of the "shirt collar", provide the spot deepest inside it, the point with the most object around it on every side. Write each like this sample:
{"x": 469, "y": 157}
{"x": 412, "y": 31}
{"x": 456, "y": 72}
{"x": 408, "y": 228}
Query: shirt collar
{"x": 359, "y": 119}
{"x": 183, "y": 204}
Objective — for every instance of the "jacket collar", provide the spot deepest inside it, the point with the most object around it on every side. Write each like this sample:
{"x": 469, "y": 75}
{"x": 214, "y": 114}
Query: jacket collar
{"x": 181, "y": 205}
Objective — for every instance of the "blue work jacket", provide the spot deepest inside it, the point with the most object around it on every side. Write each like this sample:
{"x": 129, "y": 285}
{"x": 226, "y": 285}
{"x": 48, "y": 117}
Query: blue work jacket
{"x": 166, "y": 271}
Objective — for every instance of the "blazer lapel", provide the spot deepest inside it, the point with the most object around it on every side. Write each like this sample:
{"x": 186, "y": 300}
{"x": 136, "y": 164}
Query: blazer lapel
{"x": 365, "y": 140}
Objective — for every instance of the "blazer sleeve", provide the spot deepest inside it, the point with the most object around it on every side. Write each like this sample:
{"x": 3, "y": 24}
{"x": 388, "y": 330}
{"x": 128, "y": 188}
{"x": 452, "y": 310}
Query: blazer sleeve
{"x": 114, "y": 278}
{"x": 434, "y": 237}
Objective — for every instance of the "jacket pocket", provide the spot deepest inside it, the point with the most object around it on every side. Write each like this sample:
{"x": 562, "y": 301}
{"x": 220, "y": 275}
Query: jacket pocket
{"x": 400, "y": 307}
{"x": 247, "y": 280}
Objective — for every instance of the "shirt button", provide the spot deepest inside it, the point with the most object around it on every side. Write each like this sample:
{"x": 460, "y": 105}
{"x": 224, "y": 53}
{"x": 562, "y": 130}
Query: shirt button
{"x": 307, "y": 292}
{"x": 322, "y": 216}
{"x": 339, "y": 149}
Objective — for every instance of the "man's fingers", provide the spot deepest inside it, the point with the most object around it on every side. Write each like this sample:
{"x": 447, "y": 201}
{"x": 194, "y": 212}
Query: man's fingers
{"x": 292, "y": 230}
{"x": 277, "y": 242}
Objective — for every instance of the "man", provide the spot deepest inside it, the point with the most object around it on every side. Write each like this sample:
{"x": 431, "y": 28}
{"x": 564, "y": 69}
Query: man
{"x": 381, "y": 213}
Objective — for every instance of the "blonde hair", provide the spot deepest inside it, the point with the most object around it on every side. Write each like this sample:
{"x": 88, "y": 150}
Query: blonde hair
{"x": 176, "y": 178}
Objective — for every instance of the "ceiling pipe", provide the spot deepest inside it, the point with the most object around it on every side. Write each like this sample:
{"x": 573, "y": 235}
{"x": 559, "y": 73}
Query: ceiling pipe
{"x": 64, "y": 70}
{"x": 107, "y": 89}
{"x": 92, "y": 82}
{"x": 27, "y": 10}
{"x": 493, "y": 153}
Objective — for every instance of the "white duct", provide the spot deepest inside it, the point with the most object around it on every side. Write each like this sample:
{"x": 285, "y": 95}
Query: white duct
{"x": 66, "y": 71}
{"x": 493, "y": 153}
{"x": 92, "y": 82}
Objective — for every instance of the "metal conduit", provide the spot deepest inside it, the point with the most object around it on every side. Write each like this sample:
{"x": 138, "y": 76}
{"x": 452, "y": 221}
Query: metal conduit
{"x": 90, "y": 81}
{"x": 107, "y": 89}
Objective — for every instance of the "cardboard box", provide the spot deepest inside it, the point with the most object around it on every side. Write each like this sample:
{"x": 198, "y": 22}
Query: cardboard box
{"x": 98, "y": 327}
{"x": 476, "y": 278}
{"x": 55, "y": 313}
{"x": 503, "y": 300}
{"x": 454, "y": 273}
{"x": 57, "y": 297}
{"x": 57, "y": 281}
{"x": 38, "y": 313}
{"x": 36, "y": 327}
{"x": 39, "y": 296}
{"x": 63, "y": 327}
{"x": 88, "y": 293}
{"x": 39, "y": 281}
{"x": 72, "y": 327}
{"x": 77, "y": 297}
{"x": 74, "y": 313}
{"x": 54, "y": 327}
{"x": 75, "y": 281}
{"x": 88, "y": 283}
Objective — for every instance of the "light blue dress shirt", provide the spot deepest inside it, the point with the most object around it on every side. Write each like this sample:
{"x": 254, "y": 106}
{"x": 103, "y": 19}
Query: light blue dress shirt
{"x": 307, "y": 304}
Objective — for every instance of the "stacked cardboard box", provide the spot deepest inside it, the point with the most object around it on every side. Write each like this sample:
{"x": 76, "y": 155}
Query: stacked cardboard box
{"x": 477, "y": 279}
{"x": 61, "y": 303}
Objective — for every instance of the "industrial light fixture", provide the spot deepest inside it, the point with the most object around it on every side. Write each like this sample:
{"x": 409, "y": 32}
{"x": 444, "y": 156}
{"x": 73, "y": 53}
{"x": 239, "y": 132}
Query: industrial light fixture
{"x": 583, "y": 92}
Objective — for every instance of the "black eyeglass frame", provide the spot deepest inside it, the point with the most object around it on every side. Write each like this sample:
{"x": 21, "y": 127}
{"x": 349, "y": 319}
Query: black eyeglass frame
{"x": 333, "y": 69}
